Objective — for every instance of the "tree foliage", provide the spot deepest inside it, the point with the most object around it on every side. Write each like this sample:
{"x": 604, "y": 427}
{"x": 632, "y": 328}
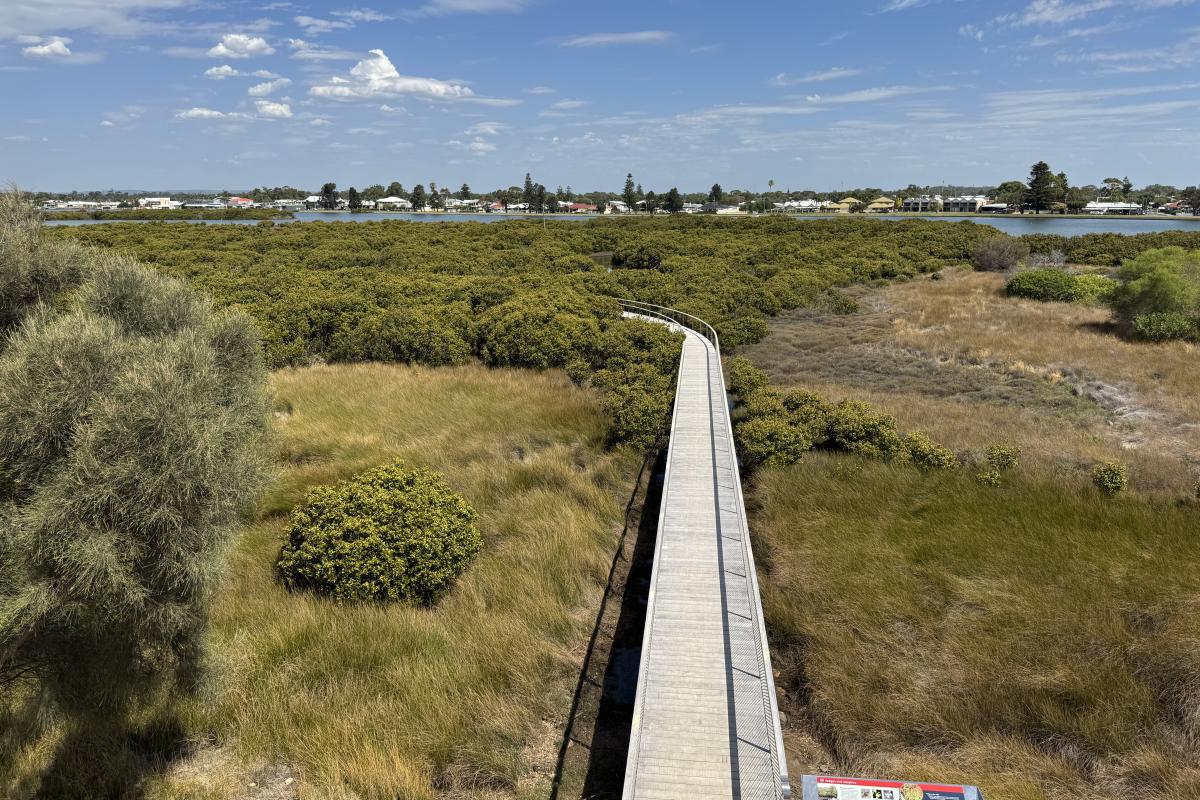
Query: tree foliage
{"x": 130, "y": 410}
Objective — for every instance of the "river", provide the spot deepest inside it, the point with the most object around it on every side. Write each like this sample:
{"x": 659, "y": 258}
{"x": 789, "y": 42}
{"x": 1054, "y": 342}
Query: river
{"x": 1014, "y": 225}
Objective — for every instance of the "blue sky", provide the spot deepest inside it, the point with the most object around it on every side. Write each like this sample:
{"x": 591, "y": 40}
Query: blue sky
{"x": 192, "y": 94}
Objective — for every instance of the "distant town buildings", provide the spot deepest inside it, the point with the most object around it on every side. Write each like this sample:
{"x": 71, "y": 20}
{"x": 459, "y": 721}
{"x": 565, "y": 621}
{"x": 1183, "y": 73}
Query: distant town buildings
{"x": 1100, "y": 207}
{"x": 923, "y": 203}
{"x": 966, "y": 204}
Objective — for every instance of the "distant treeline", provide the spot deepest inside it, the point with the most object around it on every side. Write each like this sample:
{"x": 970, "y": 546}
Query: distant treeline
{"x": 137, "y": 214}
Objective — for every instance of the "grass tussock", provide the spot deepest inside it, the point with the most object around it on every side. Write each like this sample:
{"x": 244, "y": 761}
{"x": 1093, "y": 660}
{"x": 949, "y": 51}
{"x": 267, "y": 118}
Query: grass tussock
{"x": 381, "y": 701}
{"x": 1035, "y": 639}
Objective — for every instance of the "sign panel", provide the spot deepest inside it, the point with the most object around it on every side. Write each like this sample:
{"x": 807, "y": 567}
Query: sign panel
{"x": 828, "y": 787}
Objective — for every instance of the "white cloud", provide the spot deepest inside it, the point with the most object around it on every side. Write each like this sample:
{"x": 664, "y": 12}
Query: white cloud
{"x": 783, "y": 79}
{"x": 436, "y": 8}
{"x": 971, "y": 32}
{"x": 567, "y": 105}
{"x": 200, "y": 113}
{"x": 270, "y": 87}
{"x": 110, "y": 17}
{"x": 240, "y": 45}
{"x": 123, "y": 116}
{"x": 1056, "y": 12}
{"x": 540, "y": 90}
{"x": 606, "y": 39}
{"x": 107, "y": 123}
{"x": 306, "y": 51}
{"x": 221, "y": 72}
{"x": 480, "y": 147}
{"x": 273, "y": 110}
{"x": 54, "y": 48}
{"x": 375, "y": 78}
{"x": 874, "y": 95}
{"x": 361, "y": 15}
{"x": 315, "y": 27}
{"x": 486, "y": 129}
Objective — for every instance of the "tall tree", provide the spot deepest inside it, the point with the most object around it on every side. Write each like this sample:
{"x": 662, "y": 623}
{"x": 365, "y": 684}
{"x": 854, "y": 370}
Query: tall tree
{"x": 527, "y": 191}
{"x": 464, "y": 192}
{"x": 374, "y": 192}
{"x": 674, "y": 203}
{"x": 629, "y": 194}
{"x": 568, "y": 194}
{"x": 1126, "y": 186}
{"x": 1010, "y": 193}
{"x": 329, "y": 196}
{"x": 131, "y": 413}
{"x": 1041, "y": 187}
{"x": 716, "y": 194}
{"x": 539, "y": 198}
{"x": 651, "y": 202}
{"x": 352, "y": 199}
{"x": 1191, "y": 196}
{"x": 395, "y": 189}
{"x": 417, "y": 198}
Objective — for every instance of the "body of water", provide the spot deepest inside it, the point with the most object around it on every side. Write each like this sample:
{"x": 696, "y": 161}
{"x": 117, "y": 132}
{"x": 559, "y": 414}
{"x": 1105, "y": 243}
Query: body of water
{"x": 1014, "y": 225}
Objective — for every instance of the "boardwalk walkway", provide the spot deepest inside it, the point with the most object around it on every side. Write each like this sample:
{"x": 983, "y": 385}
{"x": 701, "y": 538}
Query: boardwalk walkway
{"x": 705, "y": 723}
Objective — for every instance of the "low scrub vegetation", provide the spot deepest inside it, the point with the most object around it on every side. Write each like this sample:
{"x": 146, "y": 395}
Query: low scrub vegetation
{"x": 388, "y": 534}
{"x": 999, "y": 254}
{"x": 776, "y": 428}
{"x": 1108, "y": 249}
{"x": 1160, "y": 294}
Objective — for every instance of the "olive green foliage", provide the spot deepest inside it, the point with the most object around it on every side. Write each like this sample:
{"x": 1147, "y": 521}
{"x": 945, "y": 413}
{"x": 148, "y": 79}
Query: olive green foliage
{"x": 775, "y": 428}
{"x": 1109, "y": 249}
{"x": 1046, "y": 284}
{"x": 1094, "y": 289}
{"x": 1111, "y": 477}
{"x": 1162, "y": 326}
{"x": 130, "y": 410}
{"x": 1162, "y": 289}
{"x": 307, "y": 285}
{"x": 998, "y": 254}
{"x": 387, "y": 534}
{"x": 1002, "y": 457}
{"x": 928, "y": 454}
{"x": 988, "y": 477}
{"x": 151, "y": 214}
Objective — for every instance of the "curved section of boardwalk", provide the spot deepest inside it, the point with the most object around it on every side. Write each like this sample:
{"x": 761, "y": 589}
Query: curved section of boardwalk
{"x": 705, "y": 723}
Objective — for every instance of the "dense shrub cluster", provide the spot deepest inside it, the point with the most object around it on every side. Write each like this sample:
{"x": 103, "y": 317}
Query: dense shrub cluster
{"x": 1111, "y": 477}
{"x": 1042, "y": 284}
{"x": 1159, "y": 294}
{"x": 522, "y": 294}
{"x": 388, "y": 534}
{"x": 1108, "y": 249}
{"x": 777, "y": 428}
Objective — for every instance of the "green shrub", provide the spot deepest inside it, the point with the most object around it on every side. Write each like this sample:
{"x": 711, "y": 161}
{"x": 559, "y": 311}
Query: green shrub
{"x": 1159, "y": 281}
{"x": 1093, "y": 288}
{"x": 387, "y": 534}
{"x": 988, "y": 477}
{"x": 1042, "y": 284}
{"x": 535, "y": 332}
{"x": 998, "y": 254}
{"x": 744, "y": 378}
{"x": 640, "y": 415}
{"x": 928, "y": 454}
{"x": 1162, "y": 326}
{"x": 1002, "y": 457}
{"x": 771, "y": 442}
{"x": 1111, "y": 477}
{"x": 856, "y": 427}
{"x": 765, "y": 403}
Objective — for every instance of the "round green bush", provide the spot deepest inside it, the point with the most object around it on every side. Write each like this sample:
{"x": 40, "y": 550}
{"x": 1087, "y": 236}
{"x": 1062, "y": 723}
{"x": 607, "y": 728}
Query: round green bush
{"x": 1111, "y": 477}
{"x": 1042, "y": 284}
{"x": 744, "y": 378}
{"x": 928, "y": 454}
{"x": 988, "y": 477}
{"x": 771, "y": 442}
{"x": 856, "y": 427}
{"x": 387, "y": 534}
{"x": 1162, "y": 326}
{"x": 1003, "y": 456}
{"x": 1093, "y": 288}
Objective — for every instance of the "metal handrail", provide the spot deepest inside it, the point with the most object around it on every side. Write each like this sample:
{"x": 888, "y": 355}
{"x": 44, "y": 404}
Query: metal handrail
{"x": 672, "y": 315}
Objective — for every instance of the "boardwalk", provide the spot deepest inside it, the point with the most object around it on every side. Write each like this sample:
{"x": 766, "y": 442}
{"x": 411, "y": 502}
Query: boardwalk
{"x": 705, "y": 722}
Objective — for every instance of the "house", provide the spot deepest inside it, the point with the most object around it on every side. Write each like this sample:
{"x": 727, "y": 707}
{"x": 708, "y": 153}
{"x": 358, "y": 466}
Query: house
{"x": 965, "y": 204}
{"x": 1105, "y": 207}
{"x": 718, "y": 208}
{"x": 692, "y": 208}
{"x": 312, "y": 201}
{"x": 845, "y": 205}
{"x": 616, "y": 207}
{"x": 581, "y": 208}
{"x": 798, "y": 207}
{"x": 994, "y": 208}
{"x": 159, "y": 203}
{"x": 238, "y": 202}
{"x": 393, "y": 204}
{"x": 924, "y": 203}
{"x": 881, "y": 205}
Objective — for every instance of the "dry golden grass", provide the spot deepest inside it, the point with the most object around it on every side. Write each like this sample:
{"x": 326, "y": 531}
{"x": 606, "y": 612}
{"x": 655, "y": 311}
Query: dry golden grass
{"x": 958, "y": 360}
{"x": 465, "y": 699}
